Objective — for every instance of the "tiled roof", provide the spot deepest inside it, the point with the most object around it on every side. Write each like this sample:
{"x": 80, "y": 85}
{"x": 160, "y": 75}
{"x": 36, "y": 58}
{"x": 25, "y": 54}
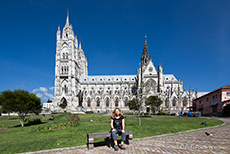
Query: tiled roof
{"x": 169, "y": 77}
{"x": 227, "y": 86}
{"x": 224, "y": 87}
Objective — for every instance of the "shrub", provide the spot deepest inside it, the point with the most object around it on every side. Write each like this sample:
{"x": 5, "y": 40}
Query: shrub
{"x": 161, "y": 113}
{"x": 73, "y": 118}
{"x": 89, "y": 112}
{"x": 146, "y": 114}
{"x": 56, "y": 126}
{"x": 128, "y": 113}
{"x": 34, "y": 122}
{"x": 63, "y": 105}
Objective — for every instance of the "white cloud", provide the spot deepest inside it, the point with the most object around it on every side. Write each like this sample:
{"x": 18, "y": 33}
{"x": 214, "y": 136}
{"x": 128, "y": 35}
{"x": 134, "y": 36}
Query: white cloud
{"x": 43, "y": 89}
{"x": 35, "y": 90}
{"x": 39, "y": 95}
{"x": 42, "y": 92}
{"x": 51, "y": 88}
{"x": 49, "y": 95}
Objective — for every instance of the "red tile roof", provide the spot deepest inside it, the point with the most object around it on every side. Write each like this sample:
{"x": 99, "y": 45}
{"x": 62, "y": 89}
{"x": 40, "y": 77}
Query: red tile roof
{"x": 224, "y": 87}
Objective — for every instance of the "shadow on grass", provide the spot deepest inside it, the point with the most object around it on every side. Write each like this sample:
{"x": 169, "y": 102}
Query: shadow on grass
{"x": 29, "y": 124}
{"x": 146, "y": 116}
{"x": 142, "y": 116}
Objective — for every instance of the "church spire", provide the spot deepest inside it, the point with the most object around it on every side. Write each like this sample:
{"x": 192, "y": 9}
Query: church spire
{"x": 80, "y": 44}
{"x": 145, "y": 48}
{"x": 58, "y": 33}
{"x": 67, "y": 18}
{"x": 145, "y": 55}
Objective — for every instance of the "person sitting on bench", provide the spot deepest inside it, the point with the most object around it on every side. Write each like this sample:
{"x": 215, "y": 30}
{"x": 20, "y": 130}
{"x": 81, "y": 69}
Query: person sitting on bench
{"x": 118, "y": 126}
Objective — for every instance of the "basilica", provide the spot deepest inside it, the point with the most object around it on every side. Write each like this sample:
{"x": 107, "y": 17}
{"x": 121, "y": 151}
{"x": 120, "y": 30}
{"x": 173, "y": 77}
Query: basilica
{"x": 82, "y": 92}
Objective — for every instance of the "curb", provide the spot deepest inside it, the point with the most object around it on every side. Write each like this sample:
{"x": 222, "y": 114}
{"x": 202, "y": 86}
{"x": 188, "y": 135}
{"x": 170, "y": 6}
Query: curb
{"x": 55, "y": 150}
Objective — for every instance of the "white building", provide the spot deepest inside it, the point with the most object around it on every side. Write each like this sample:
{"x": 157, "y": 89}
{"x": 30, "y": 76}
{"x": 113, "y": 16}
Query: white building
{"x": 78, "y": 90}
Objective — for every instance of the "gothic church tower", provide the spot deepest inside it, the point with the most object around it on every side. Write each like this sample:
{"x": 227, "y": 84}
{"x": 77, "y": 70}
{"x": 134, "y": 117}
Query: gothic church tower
{"x": 150, "y": 80}
{"x": 71, "y": 63}
{"x": 81, "y": 92}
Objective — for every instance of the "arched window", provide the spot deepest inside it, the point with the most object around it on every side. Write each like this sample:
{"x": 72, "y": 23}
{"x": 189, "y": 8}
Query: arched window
{"x": 126, "y": 101}
{"x": 185, "y": 101}
{"x": 89, "y": 102}
{"x": 98, "y": 102}
{"x": 66, "y": 55}
{"x": 116, "y": 102}
{"x": 62, "y": 70}
{"x": 107, "y": 101}
{"x": 151, "y": 84}
{"x": 67, "y": 70}
{"x": 65, "y": 89}
{"x": 63, "y": 55}
{"x": 166, "y": 102}
{"x": 174, "y": 101}
{"x": 64, "y": 101}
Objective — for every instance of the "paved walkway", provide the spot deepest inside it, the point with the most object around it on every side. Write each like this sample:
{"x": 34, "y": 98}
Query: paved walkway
{"x": 189, "y": 142}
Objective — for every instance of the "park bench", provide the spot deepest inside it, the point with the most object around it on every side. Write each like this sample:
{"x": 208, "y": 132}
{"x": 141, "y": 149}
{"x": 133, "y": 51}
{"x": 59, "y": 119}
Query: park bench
{"x": 108, "y": 138}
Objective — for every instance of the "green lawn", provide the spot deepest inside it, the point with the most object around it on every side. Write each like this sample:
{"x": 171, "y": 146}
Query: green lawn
{"x": 18, "y": 139}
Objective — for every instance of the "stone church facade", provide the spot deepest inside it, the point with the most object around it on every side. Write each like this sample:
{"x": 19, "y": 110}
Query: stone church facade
{"x": 83, "y": 92}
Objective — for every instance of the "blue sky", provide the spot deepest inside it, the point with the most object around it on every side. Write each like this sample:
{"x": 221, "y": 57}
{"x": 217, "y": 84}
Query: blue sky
{"x": 190, "y": 38}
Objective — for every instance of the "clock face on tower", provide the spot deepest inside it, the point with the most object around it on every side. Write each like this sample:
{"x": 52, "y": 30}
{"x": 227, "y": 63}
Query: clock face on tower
{"x": 150, "y": 69}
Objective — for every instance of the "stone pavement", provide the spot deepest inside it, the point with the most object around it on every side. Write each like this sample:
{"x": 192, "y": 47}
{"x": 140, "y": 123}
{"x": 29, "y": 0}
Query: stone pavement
{"x": 189, "y": 142}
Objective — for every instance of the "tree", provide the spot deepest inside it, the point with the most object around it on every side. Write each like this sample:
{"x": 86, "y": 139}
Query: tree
{"x": 5, "y": 109}
{"x": 134, "y": 104}
{"x": 62, "y": 105}
{"x": 154, "y": 101}
{"x": 20, "y": 101}
{"x": 49, "y": 101}
{"x": 137, "y": 103}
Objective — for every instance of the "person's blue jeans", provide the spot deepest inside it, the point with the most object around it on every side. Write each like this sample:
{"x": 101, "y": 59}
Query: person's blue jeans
{"x": 114, "y": 134}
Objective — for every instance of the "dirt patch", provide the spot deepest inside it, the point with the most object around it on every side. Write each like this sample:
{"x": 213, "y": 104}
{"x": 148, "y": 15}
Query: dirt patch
{"x": 5, "y": 127}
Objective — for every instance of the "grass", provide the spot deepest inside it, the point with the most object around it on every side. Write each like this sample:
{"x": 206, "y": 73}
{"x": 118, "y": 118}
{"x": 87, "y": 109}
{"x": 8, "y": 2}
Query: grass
{"x": 18, "y": 139}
